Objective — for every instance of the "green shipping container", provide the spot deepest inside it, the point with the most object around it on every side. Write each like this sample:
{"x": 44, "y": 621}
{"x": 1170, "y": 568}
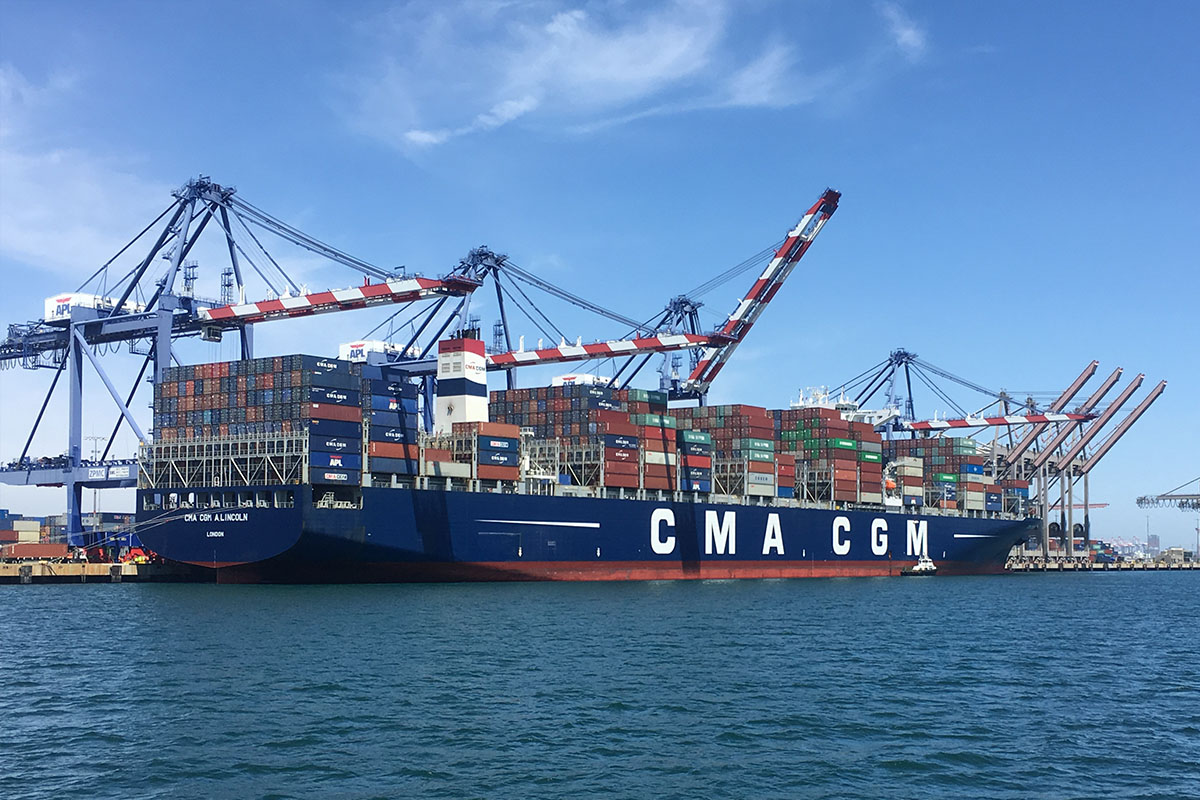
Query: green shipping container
{"x": 873, "y": 457}
{"x": 760, "y": 455}
{"x": 945, "y": 477}
{"x": 754, "y": 444}
{"x": 695, "y": 437}
{"x": 843, "y": 444}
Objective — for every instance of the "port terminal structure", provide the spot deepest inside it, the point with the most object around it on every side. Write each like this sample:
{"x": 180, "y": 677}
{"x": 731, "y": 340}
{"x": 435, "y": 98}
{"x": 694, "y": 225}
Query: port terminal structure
{"x": 1054, "y": 447}
{"x": 154, "y": 304}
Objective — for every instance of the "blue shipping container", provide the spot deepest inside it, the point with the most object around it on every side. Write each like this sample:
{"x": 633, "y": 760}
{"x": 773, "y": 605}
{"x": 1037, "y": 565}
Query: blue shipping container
{"x": 697, "y": 486}
{"x": 621, "y": 440}
{"x": 349, "y": 477}
{"x": 695, "y": 449}
{"x": 337, "y": 397}
{"x": 499, "y": 444}
{"x": 333, "y": 427}
{"x": 333, "y": 444}
{"x": 398, "y": 466}
{"x": 786, "y": 491}
{"x": 973, "y": 469}
{"x": 393, "y": 419}
{"x": 407, "y": 405}
{"x": 911, "y": 500}
{"x": 384, "y": 433}
{"x": 493, "y": 458}
{"x": 339, "y": 460}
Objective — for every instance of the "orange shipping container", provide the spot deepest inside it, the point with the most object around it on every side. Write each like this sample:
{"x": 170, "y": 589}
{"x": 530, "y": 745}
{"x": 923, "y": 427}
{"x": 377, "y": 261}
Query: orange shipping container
{"x": 401, "y": 450}
{"x": 489, "y": 473}
{"x": 761, "y": 467}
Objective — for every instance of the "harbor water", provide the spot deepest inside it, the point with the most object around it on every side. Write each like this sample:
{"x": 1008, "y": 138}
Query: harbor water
{"x": 1024, "y": 686}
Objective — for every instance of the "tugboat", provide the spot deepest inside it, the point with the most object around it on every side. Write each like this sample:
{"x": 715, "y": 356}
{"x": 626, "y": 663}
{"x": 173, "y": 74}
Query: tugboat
{"x": 924, "y": 566}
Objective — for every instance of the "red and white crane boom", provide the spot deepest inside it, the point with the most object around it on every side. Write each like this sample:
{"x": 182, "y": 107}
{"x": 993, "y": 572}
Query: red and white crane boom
{"x": 1058, "y": 405}
{"x": 1104, "y": 419}
{"x": 1125, "y": 425}
{"x": 1092, "y": 402}
{"x": 738, "y": 324}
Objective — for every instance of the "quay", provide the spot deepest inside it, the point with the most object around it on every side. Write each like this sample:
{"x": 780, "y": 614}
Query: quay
{"x": 1080, "y": 565}
{"x": 31, "y": 572}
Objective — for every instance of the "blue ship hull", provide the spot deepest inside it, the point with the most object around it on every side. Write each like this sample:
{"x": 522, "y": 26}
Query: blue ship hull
{"x": 415, "y": 535}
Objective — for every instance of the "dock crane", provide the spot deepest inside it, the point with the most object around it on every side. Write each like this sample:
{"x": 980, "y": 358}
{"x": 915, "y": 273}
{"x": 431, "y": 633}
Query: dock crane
{"x": 150, "y": 313}
{"x": 1184, "y": 501}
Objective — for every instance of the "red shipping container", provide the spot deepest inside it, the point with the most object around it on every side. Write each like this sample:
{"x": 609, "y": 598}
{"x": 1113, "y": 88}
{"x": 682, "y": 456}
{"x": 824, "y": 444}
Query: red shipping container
{"x": 657, "y": 483}
{"x": 845, "y": 485}
{"x": 621, "y": 481}
{"x": 785, "y": 459}
{"x": 604, "y": 415}
{"x": 845, "y": 474}
{"x": 329, "y": 411}
{"x": 489, "y": 473}
{"x": 696, "y": 462}
{"x": 622, "y": 428}
{"x": 400, "y": 450}
{"x": 761, "y": 467}
{"x": 844, "y": 495}
{"x": 620, "y": 468}
{"x": 657, "y": 445}
{"x": 617, "y": 454}
{"x": 431, "y": 453}
{"x": 8, "y": 536}
{"x": 786, "y": 471}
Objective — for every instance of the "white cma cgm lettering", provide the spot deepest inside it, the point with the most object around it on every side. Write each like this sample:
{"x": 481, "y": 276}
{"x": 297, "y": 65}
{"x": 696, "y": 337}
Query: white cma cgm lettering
{"x": 918, "y": 537}
{"x": 841, "y": 546}
{"x": 722, "y": 534}
{"x": 658, "y": 543}
{"x": 879, "y": 537}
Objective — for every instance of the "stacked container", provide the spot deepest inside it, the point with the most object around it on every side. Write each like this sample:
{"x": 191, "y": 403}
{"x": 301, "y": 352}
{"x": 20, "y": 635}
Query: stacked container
{"x": 660, "y": 469}
{"x": 389, "y": 412}
{"x": 695, "y": 460}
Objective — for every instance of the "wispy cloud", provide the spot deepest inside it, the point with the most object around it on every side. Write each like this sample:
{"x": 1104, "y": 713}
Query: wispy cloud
{"x": 434, "y": 73}
{"x": 63, "y": 207}
{"x": 909, "y": 38}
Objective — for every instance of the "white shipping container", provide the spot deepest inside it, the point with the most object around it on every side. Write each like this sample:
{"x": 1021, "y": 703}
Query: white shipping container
{"x": 910, "y": 472}
{"x": 909, "y": 461}
{"x": 655, "y": 457}
{"x": 871, "y": 497}
{"x": 26, "y": 525}
{"x": 760, "y": 491}
{"x": 760, "y": 479}
{"x": 29, "y": 536}
{"x": 446, "y": 469}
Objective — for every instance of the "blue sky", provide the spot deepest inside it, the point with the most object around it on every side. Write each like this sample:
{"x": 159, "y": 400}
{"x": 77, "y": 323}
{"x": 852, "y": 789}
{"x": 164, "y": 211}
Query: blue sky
{"x": 1019, "y": 181}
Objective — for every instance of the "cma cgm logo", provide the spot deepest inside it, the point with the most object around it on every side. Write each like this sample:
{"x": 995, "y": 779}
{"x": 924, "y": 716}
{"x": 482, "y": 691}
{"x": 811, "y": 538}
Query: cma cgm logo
{"x": 721, "y": 533}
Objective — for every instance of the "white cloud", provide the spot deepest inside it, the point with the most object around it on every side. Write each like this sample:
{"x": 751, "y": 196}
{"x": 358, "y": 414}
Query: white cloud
{"x": 62, "y": 209}
{"x": 436, "y": 73}
{"x": 908, "y": 37}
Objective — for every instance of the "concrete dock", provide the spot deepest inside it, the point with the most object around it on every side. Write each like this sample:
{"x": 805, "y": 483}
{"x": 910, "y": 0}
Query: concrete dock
{"x": 80, "y": 572}
{"x": 1068, "y": 565}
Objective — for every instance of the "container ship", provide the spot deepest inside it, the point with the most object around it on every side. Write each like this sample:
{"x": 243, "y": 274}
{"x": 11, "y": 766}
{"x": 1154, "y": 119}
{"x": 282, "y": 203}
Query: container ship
{"x": 310, "y": 469}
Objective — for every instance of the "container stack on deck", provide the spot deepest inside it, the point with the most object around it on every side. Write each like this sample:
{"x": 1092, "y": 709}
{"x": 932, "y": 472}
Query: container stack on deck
{"x": 954, "y": 472}
{"x": 390, "y": 422}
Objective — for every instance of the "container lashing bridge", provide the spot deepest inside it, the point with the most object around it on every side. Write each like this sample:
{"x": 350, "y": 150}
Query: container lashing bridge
{"x": 153, "y": 304}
